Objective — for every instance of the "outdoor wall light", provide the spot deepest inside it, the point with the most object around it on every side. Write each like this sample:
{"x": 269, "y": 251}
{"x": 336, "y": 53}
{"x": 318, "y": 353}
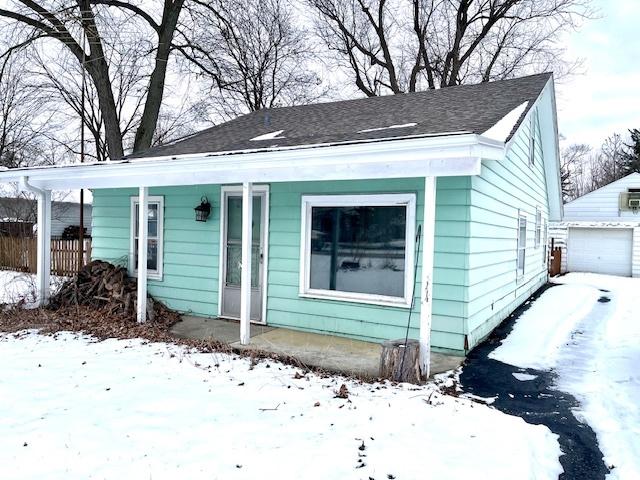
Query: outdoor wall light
{"x": 203, "y": 210}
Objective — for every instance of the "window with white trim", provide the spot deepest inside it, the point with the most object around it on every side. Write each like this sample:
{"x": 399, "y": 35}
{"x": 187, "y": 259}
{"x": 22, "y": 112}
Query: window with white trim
{"x": 358, "y": 247}
{"x": 154, "y": 236}
{"x": 522, "y": 243}
{"x": 538, "y": 238}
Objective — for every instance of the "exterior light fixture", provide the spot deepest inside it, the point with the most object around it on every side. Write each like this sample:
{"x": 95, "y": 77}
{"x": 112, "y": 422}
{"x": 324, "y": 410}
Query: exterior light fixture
{"x": 203, "y": 210}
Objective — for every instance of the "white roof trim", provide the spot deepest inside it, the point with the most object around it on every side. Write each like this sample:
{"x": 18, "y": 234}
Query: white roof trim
{"x": 410, "y": 157}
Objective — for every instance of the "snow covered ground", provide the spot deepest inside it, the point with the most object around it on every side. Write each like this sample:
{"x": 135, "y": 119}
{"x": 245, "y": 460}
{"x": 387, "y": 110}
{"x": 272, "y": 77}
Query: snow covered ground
{"x": 76, "y": 408}
{"x": 16, "y": 285}
{"x": 594, "y": 347}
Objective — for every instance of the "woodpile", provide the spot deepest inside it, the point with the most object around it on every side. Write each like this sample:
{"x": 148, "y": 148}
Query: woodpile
{"x": 102, "y": 285}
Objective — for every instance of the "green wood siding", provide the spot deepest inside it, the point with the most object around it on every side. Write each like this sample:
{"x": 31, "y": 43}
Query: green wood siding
{"x": 371, "y": 322}
{"x": 498, "y": 194}
{"x": 191, "y": 250}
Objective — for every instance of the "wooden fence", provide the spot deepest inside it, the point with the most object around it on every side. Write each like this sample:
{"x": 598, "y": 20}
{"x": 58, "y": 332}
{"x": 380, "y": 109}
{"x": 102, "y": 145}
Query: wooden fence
{"x": 20, "y": 254}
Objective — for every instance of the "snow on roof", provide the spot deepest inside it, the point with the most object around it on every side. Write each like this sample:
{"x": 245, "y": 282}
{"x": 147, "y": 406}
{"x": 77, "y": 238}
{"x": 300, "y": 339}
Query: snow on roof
{"x": 376, "y": 129}
{"x": 502, "y": 130}
{"x": 268, "y": 136}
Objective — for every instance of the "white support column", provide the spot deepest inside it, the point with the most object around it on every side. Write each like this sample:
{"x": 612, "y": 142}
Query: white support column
{"x": 43, "y": 274}
{"x": 245, "y": 281}
{"x": 428, "y": 232}
{"x": 143, "y": 229}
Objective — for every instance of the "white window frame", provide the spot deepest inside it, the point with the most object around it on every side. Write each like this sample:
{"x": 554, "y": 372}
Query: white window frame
{"x": 520, "y": 271}
{"x": 380, "y": 200}
{"x": 538, "y": 230}
{"x": 133, "y": 267}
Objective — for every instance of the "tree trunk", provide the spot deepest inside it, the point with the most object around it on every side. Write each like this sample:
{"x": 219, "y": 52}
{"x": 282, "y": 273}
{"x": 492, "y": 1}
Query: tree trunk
{"x": 149, "y": 120}
{"x": 396, "y": 368}
{"x": 113, "y": 135}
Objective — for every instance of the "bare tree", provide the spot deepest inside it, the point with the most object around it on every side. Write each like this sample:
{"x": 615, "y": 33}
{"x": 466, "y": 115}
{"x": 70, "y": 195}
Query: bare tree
{"x": 260, "y": 58}
{"x": 398, "y": 46}
{"x": 572, "y": 170}
{"x": 26, "y": 132}
{"x": 584, "y": 170}
{"x": 68, "y": 21}
{"x": 59, "y": 78}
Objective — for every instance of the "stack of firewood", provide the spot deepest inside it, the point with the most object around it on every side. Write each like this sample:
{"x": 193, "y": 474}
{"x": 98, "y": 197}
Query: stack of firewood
{"x": 102, "y": 285}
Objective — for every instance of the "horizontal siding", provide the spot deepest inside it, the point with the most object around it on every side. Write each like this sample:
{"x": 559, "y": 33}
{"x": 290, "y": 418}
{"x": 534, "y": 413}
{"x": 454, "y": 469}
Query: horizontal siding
{"x": 374, "y": 323}
{"x": 559, "y": 233}
{"x": 191, "y": 263}
{"x": 603, "y": 204}
{"x": 66, "y": 214}
{"x": 191, "y": 249}
{"x": 498, "y": 194}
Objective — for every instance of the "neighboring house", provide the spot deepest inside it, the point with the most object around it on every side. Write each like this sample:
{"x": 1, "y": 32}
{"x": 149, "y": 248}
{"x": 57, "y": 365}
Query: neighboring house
{"x": 339, "y": 191}
{"x": 600, "y": 231}
{"x": 18, "y": 212}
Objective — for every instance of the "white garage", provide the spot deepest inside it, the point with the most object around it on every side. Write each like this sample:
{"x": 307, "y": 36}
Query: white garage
{"x": 600, "y": 250}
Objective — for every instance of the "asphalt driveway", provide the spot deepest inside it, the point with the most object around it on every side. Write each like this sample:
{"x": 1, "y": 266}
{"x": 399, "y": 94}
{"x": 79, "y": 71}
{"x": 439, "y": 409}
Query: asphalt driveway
{"x": 568, "y": 359}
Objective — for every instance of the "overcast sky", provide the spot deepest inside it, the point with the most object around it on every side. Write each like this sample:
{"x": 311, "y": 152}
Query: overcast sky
{"x": 606, "y": 99}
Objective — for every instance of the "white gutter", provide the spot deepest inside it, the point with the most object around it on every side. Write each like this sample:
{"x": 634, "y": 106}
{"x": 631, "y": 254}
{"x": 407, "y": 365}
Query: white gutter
{"x": 409, "y": 157}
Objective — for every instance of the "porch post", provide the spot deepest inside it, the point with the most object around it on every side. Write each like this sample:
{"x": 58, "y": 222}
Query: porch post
{"x": 245, "y": 280}
{"x": 143, "y": 228}
{"x": 428, "y": 228}
{"x": 43, "y": 268}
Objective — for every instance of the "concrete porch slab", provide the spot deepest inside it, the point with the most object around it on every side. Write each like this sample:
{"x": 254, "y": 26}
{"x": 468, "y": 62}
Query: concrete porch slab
{"x": 329, "y": 352}
{"x": 200, "y": 328}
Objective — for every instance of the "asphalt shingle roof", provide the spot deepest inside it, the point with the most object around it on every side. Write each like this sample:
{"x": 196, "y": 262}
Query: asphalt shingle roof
{"x": 464, "y": 108}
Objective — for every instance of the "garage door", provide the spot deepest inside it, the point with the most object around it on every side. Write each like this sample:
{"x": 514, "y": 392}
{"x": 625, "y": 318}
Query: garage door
{"x": 600, "y": 250}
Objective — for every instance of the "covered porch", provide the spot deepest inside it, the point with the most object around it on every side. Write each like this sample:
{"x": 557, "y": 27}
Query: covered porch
{"x": 420, "y": 158}
{"x": 327, "y": 352}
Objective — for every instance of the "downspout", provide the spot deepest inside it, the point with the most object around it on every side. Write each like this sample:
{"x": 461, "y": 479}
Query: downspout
{"x": 43, "y": 269}
{"x": 26, "y": 186}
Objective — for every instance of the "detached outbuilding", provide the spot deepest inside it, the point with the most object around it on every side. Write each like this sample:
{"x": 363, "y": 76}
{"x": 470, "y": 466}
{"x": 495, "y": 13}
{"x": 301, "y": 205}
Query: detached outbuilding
{"x": 600, "y": 231}
{"x": 347, "y": 218}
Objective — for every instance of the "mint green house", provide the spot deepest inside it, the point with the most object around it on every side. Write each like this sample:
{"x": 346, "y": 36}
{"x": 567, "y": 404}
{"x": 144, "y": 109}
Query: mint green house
{"x": 365, "y": 214}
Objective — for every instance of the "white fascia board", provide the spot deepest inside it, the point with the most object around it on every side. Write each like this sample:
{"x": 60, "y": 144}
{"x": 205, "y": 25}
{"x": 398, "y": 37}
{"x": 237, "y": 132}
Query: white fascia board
{"x": 554, "y": 182}
{"x": 412, "y": 157}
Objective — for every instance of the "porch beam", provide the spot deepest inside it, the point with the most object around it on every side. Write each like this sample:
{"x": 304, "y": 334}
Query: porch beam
{"x": 245, "y": 280}
{"x": 426, "y": 296}
{"x": 143, "y": 228}
{"x": 414, "y": 157}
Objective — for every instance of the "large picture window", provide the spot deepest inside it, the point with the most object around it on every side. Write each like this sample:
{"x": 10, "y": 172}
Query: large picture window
{"x": 154, "y": 236}
{"x": 358, "y": 247}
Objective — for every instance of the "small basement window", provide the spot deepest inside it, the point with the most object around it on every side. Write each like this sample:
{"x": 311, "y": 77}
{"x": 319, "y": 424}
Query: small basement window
{"x": 154, "y": 237}
{"x": 358, "y": 248}
{"x": 522, "y": 244}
